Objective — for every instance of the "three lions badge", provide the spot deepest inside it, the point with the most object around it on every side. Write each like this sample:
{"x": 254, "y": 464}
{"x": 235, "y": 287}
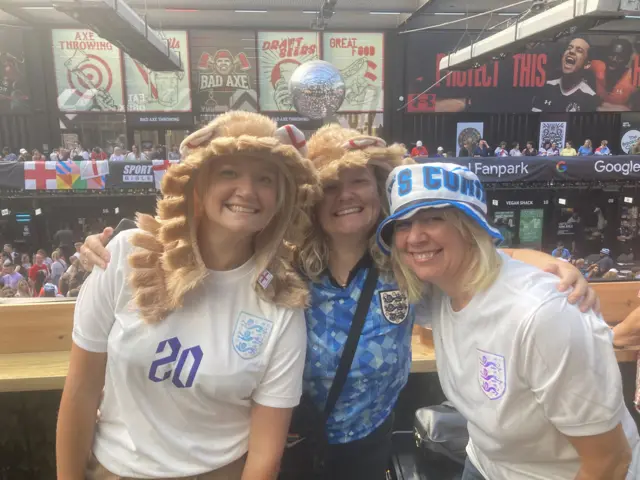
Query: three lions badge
{"x": 492, "y": 374}
{"x": 394, "y": 306}
{"x": 250, "y": 334}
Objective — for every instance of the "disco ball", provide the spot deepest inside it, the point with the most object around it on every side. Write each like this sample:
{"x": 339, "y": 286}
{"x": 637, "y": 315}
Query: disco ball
{"x": 317, "y": 89}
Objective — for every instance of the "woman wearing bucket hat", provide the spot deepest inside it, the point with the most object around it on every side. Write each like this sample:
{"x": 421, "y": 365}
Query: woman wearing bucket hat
{"x": 201, "y": 315}
{"x": 337, "y": 256}
{"x": 536, "y": 378}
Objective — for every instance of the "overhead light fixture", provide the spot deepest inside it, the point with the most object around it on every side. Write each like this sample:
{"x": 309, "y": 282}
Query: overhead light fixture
{"x": 385, "y": 13}
{"x": 313, "y": 12}
{"x": 118, "y": 23}
{"x": 565, "y": 19}
{"x": 181, "y": 10}
{"x": 449, "y": 14}
{"x": 37, "y": 8}
{"x": 38, "y": 211}
{"x": 250, "y": 11}
{"x": 635, "y": 17}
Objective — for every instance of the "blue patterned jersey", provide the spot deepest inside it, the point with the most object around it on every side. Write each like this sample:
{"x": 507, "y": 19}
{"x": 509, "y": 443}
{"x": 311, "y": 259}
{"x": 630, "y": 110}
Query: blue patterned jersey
{"x": 380, "y": 368}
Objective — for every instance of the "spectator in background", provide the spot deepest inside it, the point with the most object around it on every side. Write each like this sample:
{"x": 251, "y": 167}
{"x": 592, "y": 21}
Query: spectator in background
{"x": 58, "y": 267}
{"x": 603, "y": 149}
{"x": 38, "y": 282}
{"x": 98, "y": 154}
{"x": 501, "y": 150}
{"x": 55, "y": 155}
{"x": 11, "y": 253}
{"x": 419, "y": 150}
{"x": 482, "y": 150}
{"x": 568, "y": 150}
{"x": 10, "y": 277}
{"x": 158, "y": 153}
{"x": 586, "y": 149}
{"x": 465, "y": 150}
{"x": 561, "y": 252}
{"x": 635, "y": 148}
{"x": 36, "y": 156}
{"x": 530, "y": 151}
{"x": 174, "y": 154}
{"x": 553, "y": 150}
{"x": 24, "y": 155}
{"x": 117, "y": 155}
{"x": 603, "y": 265}
{"x": 8, "y": 156}
{"x": 135, "y": 155}
{"x": 543, "y": 151}
{"x": 38, "y": 266}
{"x": 440, "y": 153}
{"x": 25, "y": 263}
{"x": 23, "y": 290}
{"x": 515, "y": 150}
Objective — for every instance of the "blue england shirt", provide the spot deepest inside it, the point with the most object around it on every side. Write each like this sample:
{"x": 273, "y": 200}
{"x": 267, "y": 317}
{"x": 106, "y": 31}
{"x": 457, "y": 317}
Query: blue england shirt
{"x": 381, "y": 365}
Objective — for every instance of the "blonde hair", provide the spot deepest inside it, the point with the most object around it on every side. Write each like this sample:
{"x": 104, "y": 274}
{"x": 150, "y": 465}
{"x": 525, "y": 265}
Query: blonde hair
{"x": 167, "y": 263}
{"x": 330, "y": 157}
{"x": 482, "y": 271}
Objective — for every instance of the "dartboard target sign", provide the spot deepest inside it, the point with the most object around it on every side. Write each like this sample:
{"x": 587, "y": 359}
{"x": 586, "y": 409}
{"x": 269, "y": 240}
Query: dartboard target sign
{"x": 93, "y": 73}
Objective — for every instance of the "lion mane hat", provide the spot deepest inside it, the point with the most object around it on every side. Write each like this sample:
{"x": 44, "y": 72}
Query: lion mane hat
{"x": 167, "y": 263}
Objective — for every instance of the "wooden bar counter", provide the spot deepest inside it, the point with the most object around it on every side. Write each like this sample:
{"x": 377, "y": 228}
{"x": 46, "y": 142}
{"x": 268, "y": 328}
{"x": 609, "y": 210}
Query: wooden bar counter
{"x": 35, "y": 339}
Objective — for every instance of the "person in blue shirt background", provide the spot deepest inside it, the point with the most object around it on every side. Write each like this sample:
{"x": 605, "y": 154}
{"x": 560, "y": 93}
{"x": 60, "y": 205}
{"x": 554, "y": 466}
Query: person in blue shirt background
{"x": 586, "y": 149}
{"x": 482, "y": 150}
{"x": 561, "y": 252}
{"x": 336, "y": 257}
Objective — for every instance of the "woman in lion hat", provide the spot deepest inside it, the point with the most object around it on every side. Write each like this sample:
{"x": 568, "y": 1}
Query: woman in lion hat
{"x": 195, "y": 329}
{"x": 336, "y": 256}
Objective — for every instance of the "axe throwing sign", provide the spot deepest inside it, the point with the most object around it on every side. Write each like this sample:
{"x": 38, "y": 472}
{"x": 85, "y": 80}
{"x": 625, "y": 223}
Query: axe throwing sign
{"x": 88, "y": 72}
{"x": 224, "y": 71}
{"x": 151, "y": 91}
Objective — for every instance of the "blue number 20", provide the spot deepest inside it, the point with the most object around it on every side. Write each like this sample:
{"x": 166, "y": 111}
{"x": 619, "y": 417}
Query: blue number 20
{"x": 175, "y": 346}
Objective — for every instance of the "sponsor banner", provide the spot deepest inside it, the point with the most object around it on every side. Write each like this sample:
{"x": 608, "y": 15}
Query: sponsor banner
{"x": 630, "y": 131}
{"x": 148, "y": 174}
{"x": 468, "y": 133}
{"x": 279, "y": 54}
{"x": 150, "y": 91}
{"x": 360, "y": 59}
{"x": 568, "y": 75}
{"x": 14, "y": 89}
{"x": 552, "y": 132}
{"x": 88, "y": 72}
{"x": 224, "y": 71}
{"x": 165, "y": 119}
{"x": 545, "y": 169}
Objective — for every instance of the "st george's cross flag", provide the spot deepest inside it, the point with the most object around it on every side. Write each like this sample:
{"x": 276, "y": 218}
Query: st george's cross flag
{"x": 40, "y": 175}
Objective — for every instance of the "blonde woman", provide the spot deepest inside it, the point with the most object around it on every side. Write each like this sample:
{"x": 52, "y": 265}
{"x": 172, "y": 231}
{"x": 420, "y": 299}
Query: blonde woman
{"x": 536, "y": 378}
{"x": 195, "y": 329}
{"x": 336, "y": 257}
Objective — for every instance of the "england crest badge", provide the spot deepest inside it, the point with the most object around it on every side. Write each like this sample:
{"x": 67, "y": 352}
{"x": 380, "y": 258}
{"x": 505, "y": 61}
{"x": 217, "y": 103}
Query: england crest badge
{"x": 394, "y": 306}
{"x": 492, "y": 374}
{"x": 250, "y": 334}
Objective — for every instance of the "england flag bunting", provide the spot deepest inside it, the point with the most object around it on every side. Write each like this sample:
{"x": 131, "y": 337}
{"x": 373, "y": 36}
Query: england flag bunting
{"x": 159, "y": 169}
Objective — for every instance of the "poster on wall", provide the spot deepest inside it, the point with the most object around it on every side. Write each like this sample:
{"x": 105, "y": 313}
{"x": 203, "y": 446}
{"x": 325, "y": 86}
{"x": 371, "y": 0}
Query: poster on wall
{"x": 630, "y": 131}
{"x": 223, "y": 71}
{"x": 88, "y": 72}
{"x": 468, "y": 133}
{"x": 594, "y": 72}
{"x": 150, "y": 91}
{"x": 554, "y": 132}
{"x": 360, "y": 59}
{"x": 530, "y": 229}
{"x": 279, "y": 54}
{"x": 14, "y": 90}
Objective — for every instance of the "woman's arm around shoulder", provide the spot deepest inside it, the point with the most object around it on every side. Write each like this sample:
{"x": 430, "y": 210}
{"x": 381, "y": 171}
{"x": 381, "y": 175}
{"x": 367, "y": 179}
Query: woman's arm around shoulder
{"x": 569, "y": 363}
{"x": 279, "y": 391}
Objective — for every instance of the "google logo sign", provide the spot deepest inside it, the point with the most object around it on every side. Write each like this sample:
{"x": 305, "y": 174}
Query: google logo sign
{"x": 561, "y": 166}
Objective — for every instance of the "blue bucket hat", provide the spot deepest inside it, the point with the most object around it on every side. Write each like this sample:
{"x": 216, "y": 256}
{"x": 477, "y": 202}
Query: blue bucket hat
{"x": 412, "y": 188}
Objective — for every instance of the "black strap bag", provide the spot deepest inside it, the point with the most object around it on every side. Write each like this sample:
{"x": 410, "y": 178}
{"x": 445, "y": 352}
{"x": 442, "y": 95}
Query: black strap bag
{"x": 304, "y": 457}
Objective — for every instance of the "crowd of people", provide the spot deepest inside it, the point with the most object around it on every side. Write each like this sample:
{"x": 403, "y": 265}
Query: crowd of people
{"x": 79, "y": 153}
{"x": 600, "y": 266}
{"x": 547, "y": 149}
{"x": 39, "y": 275}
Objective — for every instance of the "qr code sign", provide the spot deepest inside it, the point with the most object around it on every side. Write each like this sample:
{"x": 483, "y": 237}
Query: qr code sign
{"x": 552, "y": 132}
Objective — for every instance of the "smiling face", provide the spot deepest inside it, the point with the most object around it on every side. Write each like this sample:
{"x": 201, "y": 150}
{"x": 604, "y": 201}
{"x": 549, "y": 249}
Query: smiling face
{"x": 350, "y": 205}
{"x": 431, "y": 246}
{"x": 619, "y": 55}
{"x": 575, "y": 57}
{"x": 241, "y": 196}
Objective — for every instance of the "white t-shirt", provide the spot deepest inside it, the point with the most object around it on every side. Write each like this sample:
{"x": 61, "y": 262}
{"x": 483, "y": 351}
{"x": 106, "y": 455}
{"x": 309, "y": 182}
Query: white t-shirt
{"x": 525, "y": 368}
{"x": 178, "y": 394}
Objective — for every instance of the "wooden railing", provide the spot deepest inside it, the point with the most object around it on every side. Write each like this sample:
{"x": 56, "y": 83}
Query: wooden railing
{"x": 35, "y": 339}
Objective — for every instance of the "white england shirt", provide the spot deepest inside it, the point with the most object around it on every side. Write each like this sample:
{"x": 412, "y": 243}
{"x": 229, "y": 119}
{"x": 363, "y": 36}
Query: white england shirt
{"x": 178, "y": 394}
{"x": 526, "y": 368}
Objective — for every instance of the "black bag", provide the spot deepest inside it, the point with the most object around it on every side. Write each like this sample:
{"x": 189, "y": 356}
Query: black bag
{"x": 304, "y": 457}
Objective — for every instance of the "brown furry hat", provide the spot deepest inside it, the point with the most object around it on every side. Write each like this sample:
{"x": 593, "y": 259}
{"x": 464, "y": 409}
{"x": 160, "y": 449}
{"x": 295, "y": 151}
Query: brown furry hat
{"x": 167, "y": 263}
{"x": 334, "y": 148}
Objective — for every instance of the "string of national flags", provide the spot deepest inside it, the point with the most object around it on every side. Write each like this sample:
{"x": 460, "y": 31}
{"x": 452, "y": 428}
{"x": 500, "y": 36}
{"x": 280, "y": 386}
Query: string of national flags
{"x": 92, "y": 174}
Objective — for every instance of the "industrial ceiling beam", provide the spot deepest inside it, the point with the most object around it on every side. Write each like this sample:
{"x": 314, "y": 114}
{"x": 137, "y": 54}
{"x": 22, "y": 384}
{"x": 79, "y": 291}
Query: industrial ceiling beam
{"x": 17, "y": 12}
{"x": 418, "y": 11}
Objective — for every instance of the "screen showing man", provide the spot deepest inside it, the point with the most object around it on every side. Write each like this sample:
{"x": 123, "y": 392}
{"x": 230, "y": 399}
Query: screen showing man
{"x": 570, "y": 92}
{"x": 614, "y": 78}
